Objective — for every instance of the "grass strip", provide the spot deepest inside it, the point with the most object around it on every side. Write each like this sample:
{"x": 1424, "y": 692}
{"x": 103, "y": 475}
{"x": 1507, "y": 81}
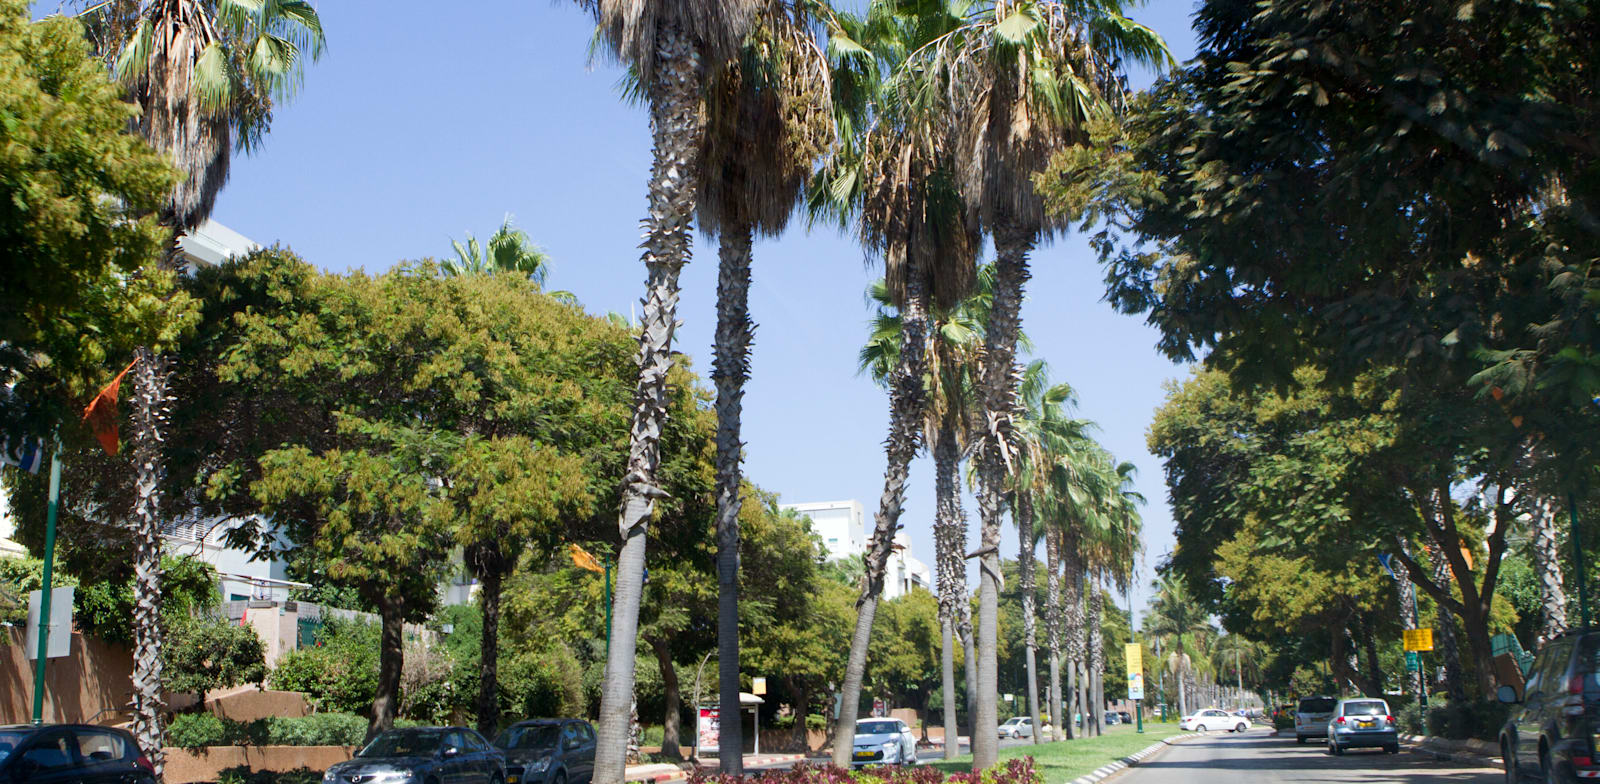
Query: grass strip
{"x": 1064, "y": 761}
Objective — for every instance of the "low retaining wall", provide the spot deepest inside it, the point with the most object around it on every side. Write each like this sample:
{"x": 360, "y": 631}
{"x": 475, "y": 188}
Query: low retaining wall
{"x": 186, "y": 766}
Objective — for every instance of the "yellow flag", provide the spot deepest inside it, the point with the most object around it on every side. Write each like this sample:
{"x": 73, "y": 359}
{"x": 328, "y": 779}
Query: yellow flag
{"x": 583, "y": 560}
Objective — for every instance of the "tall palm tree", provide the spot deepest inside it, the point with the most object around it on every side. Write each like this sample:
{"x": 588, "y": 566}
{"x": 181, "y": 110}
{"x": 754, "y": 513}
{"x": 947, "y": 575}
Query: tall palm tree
{"x": 952, "y": 361}
{"x": 509, "y": 249}
{"x": 1045, "y": 435}
{"x": 896, "y": 181}
{"x": 1239, "y": 656}
{"x": 1179, "y": 622}
{"x": 768, "y": 122}
{"x": 1028, "y": 79}
{"x": 205, "y": 76}
{"x": 672, "y": 46}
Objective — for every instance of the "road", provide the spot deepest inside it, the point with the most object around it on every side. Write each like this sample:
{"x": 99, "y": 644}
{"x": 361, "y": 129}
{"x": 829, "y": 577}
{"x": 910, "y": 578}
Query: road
{"x": 1258, "y": 757}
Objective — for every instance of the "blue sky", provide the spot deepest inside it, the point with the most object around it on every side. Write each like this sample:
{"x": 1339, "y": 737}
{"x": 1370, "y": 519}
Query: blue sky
{"x": 425, "y": 121}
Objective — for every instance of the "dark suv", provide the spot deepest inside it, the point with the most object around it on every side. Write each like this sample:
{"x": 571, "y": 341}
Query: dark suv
{"x": 548, "y": 751}
{"x": 71, "y": 754}
{"x": 1553, "y": 723}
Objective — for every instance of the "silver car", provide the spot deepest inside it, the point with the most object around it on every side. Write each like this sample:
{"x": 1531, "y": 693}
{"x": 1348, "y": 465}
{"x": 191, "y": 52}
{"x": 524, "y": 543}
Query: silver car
{"x": 1363, "y": 722}
{"x": 883, "y": 742}
{"x": 1311, "y": 717}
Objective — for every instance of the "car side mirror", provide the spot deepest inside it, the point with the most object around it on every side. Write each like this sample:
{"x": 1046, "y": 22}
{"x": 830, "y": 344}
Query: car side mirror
{"x": 1507, "y": 695}
{"x": 450, "y": 751}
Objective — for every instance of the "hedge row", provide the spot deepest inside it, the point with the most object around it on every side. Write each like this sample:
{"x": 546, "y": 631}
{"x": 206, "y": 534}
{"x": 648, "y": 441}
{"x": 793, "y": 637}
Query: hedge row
{"x": 197, "y": 730}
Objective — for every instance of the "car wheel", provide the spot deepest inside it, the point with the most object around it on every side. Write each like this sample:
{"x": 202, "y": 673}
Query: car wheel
{"x": 1200, "y": 728}
{"x": 1509, "y": 761}
{"x": 495, "y": 779}
{"x": 1300, "y": 739}
{"x": 1393, "y": 748}
{"x": 1239, "y": 728}
{"x": 1338, "y": 751}
{"x": 561, "y": 778}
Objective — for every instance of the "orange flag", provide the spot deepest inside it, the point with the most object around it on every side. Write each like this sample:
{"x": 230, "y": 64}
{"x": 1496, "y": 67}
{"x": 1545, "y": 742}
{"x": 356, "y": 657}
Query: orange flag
{"x": 101, "y": 413}
{"x": 583, "y": 560}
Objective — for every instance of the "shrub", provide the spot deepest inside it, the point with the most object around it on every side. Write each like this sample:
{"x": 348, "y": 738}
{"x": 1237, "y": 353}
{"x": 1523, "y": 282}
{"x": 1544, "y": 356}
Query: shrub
{"x": 244, "y": 775}
{"x": 197, "y": 730}
{"x": 194, "y": 730}
{"x": 340, "y": 673}
{"x": 1412, "y": 719}
{"x": 1462, "y": 720}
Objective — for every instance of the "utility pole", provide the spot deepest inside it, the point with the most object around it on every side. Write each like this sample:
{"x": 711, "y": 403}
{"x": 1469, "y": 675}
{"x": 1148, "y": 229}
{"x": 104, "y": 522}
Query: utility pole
{"x": 46, "y": 587}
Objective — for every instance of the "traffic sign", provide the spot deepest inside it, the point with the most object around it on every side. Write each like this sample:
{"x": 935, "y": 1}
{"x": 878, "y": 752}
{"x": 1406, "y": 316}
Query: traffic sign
{"x": 1413, "y": 661}
{"x": 1418, "y": 639}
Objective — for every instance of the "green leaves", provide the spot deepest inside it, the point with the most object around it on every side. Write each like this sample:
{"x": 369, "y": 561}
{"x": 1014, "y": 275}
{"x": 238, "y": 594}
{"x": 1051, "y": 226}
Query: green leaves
{"x": 1017, "y": 26}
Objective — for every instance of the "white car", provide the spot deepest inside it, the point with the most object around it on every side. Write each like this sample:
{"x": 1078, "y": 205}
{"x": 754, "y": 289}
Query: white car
{"x": 1213, "y": 719}
{"x": 1017, "y": 727}
{"x": 883, "y": 742}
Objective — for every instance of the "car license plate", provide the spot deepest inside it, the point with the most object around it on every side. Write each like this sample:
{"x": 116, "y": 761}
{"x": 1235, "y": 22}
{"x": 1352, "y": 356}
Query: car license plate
{"x": 863, "y": 755}
{"x": 1366, "y": 725}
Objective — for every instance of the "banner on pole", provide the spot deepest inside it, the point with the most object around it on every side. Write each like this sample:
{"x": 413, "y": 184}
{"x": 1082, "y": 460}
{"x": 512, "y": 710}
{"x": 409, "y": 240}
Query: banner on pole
{"x": 1135, "y": 685}
{"x": 1134, "y": 653}
{"x": 707, "y": 731}
{"x": 60, "y": 623}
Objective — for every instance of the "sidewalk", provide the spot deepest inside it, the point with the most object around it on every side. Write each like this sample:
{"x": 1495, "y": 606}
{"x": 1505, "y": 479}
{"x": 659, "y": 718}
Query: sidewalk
{"x": 1470, "y": 752}
{"x": 662, "y": 771}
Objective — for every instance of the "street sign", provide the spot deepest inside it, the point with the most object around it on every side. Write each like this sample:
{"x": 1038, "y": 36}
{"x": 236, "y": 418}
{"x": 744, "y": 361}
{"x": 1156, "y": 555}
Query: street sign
{"x": 1413, "y": 661}
{"x": 1418, "y": 639}
{"x": 758, "y": 685}
{"x": 60, "y": 623}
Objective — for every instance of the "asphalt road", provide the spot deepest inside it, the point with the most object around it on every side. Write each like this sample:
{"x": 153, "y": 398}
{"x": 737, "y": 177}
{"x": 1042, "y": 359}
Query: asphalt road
{"x": 1260, "y": 758}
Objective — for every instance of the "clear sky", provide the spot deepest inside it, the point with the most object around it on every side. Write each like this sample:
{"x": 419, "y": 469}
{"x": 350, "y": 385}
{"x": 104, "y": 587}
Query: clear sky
{"x": 425, "y": 121}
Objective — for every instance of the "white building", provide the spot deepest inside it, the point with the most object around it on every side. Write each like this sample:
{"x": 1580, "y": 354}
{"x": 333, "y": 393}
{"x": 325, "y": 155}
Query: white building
{"x": 842, "y": 526}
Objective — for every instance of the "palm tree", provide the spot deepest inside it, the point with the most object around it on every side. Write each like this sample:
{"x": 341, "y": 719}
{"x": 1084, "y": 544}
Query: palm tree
{"x": 1179, "y": 622}
{"x": 205, "y": 76}
{"x": 509, "y": 249}
{"x": 1027, "y": 79}
{"x": 768, "y": 122}
{"x": 896, "y": 181}
{"x": 952, "y": 360}
{"x": 1239, "y": 655}
{"x": 1044, "y": 436}
{"x": 672, "y": 46}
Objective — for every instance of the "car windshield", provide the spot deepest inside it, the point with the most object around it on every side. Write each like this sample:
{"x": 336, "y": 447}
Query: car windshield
{"x": 1366, "y": 708}
{"x": 404, "y": 743}
{"x": 1316, "y": 705}
{"x": 877, "y": 728}
{"x": 9, "y": 742}
{"x": 533, "y": 737}
{"x": 1013, "y": 721}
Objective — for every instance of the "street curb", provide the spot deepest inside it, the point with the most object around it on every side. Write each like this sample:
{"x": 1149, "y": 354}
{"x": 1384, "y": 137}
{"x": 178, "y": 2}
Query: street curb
{"x": 1423, "y": 744}
{"x": 683, "y": 774}
{"x": 1103, "y": 772}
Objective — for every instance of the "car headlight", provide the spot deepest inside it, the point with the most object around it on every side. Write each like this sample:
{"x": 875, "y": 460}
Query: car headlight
{"x": 539, "y": 765}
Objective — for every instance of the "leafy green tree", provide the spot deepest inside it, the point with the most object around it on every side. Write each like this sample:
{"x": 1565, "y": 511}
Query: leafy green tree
{"x": 206, "y": 652}
{"x": 673, "y": 46}
{"x": 77, "y": 258}
{"x": 905, "y": 655}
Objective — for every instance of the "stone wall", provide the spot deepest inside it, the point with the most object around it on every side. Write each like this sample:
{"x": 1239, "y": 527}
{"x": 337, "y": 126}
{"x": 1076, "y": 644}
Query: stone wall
{"x": 186, "y": 766}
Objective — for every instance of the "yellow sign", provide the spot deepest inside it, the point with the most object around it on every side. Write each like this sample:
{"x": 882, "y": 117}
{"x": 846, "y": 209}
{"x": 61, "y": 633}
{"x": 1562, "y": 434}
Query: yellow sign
{"x": 1135, "y": 654}
{"x": 1418, "y": 639}
{"x": 758, "y": 685}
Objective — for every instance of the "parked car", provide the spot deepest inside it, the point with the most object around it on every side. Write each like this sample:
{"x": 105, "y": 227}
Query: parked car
{"x": 71, "y": 754}
{"x": 441, "y": 755}
{"x": 883, "y": 742}
{"x": 548, "y": 751}
{"x": 1311, "y": 717}
{"x": 1549, "y": 730}
{"x": 1127, "y": 718}
{"x": 1363, "y": 722}
{"x": 1017, "y": 727}
{"x": 1112, "y": 717}
{"x": 1213, "y": 719}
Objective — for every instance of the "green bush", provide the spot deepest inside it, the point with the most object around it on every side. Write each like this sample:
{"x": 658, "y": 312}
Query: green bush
{"x": 1412, "y": 719}
{"x": 340, "y": 673}
{"x": 318, "y": 729}
{"x": 244, "y": 775}
{"x": 197, "y": 730}
{"x": 1459, "y": 721}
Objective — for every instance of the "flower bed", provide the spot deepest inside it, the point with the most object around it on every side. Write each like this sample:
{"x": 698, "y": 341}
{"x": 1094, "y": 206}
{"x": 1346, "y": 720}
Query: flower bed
{"x": 1015, "y": 771}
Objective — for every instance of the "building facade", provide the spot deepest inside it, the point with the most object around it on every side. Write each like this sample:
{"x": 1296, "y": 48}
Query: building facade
{"x": 842, "y": 527}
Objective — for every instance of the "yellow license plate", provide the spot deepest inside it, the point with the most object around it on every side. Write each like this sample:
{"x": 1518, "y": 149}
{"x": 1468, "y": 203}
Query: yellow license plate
{"x": 1366, "y": 725}
{"x": 863, "y": 755}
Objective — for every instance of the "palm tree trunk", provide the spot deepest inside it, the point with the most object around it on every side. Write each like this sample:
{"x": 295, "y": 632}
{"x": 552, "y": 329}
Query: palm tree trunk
{"x": 493, "y": 581}
{"x": 676, "y": 131}
{"x": 1072, "y": 611}
{"x": 1023, "y": 510}
{"x": 673, "y": 693}
{"x": 391, "y": 660}
{"x": 1547, "y": 568}
{"x": 1052, "y": 622}
{"x": 950, "y": 543}
{"x": 149, "y": 420}
{"x": 969, "y": 653}
{"x": 906, "y": 409}
{"x": 1097, "y": 660}
{"x": 730, "y": 370}
{"x": 999, "y": 384}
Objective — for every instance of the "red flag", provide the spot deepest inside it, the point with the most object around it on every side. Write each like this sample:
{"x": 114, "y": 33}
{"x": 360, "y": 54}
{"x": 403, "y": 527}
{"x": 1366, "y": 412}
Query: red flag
{"x": 101, "y": 413}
